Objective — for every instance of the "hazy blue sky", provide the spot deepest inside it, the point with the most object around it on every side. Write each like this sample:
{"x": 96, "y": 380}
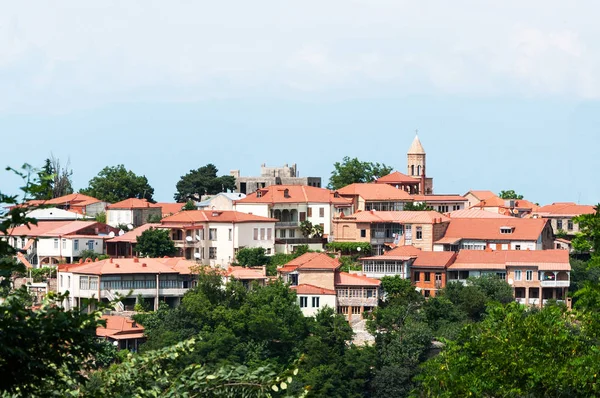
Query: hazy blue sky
{"x": 505, "y": 94}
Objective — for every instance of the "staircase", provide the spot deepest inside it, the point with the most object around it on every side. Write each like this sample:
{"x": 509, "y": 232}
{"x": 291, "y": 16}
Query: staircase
{"x": 111, "y": 297}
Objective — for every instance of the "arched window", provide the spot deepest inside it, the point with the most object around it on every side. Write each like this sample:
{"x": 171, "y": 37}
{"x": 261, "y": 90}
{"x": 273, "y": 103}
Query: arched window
{"x": 412, "y": 170}
{"x": 418, "y": 170}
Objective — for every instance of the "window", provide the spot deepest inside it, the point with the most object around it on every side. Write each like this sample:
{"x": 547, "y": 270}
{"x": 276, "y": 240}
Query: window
{"x": 64, "y": 243}
{"x": 56, "y": 243}
{"x": 282, "y": 233}
{"x": 517, "y": 275}
{"x": 517, "y": 247}
{"x": 269, "y": 233}
{"x": 255, "y": 233}
{"x": 506, "y": 230}
{"x": 262, "y": 234}
{"x": 355, "y": 310}
{"x": 309, "y": 211}
{"x": 230, "y": 235}
{"x": 559, "y": 224}
{"x": 419, "y": 233}
{"x": 268, "y": 252}
{"x": 90, "y": 245}
{"x": 321, "y": 212}
{"x": 417, "y": 276}
{"x": 212, "y": 253}
{"x": 529, "y": 275}
{"x": 443, "y": 209}
{"x": 315, "y": 302}
{"x": 570, "y": 225}
{"x": 427, "y": 276}
{"x": 455, "y": 207}
{"x": 292, "y": 233}
{"x": 201, "y": 234}
{"x": 343, "y": 310}
{"x": 303, "y": 301}
{"x": 302, "y": 216}
{"x": 501, "y": 275}
{"x": 363, "y": 233}
{"x": 68, "y": 281}
{"x": 426, "y": 293}
{"x": 61, "y": 281}
{"x": 212, "y": 234}
{"x": 76, "y": 244}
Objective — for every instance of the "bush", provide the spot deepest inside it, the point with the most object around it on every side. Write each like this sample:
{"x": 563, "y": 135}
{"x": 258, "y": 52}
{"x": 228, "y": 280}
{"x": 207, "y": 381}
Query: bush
{"x": 350, "y": 248}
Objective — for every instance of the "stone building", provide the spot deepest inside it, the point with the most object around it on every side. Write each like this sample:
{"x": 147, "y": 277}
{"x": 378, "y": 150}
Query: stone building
{"x": 285, "y": 175}
{"x": 416, "y": 165}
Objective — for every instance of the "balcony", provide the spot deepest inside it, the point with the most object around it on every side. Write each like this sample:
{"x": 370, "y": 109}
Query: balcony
{"x": 551, "y": 283}
{"x": 357, "y": 301}
{"x": 287, "y": 224}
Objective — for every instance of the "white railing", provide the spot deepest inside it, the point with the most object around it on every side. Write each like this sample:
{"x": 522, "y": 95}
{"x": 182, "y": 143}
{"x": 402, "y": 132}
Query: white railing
{"x": 110, "y": 296}
{"x": 555, "y": 283}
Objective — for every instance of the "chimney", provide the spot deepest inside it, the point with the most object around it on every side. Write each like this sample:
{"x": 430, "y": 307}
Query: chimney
{"x": 110, "y": 260}
{"x": 80, "y": 261}
{"x": 136, "y": 260}
{"x": 144, "y": 265}
{"x": 116, "y": 265}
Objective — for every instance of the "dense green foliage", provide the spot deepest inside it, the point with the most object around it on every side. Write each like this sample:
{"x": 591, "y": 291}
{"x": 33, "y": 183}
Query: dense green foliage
{"x": 155, "y": 243}
{"x": 588, "y": 238}
{"x": 252, "y": 257}
{"x": 352, "y": 170}
{"x": 189, "y": 205}
{"x": 421, "y": 206}
{"x": 114, "y": 184}
{"x": 350, "y": 248}
{"x": 54, "y": 180}
{"x": 87, "y": 253}
{"x": 203, "y": 181}
{"x": 509, "y": 194}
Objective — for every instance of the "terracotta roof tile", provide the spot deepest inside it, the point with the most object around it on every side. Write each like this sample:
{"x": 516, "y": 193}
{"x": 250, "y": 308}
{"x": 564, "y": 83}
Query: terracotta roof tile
{"x": 295, "y": 194}
{"x": 565, "y": 209}
{"x": 217, "y": 216}
{"x": 481, "y": 195}
{"x": 397, "y": 178}
{"x": 131, "y": 236}
{"x": 132, "y": 266}
{"x": 475, "y": 213}
{"x": 132, "y": 203}
{"x": 439, "y": 198}
{"x": 401, "y": 217}
{"x": 312, "y": 289}
{"x": 170, "y": 208}
{"x": 374, "y": 192}
{"x": 346, "y": 279}
{"x": 434, "y": 259}
{"x": 119, "y": 326}
{"x": 527, "y": 229}
{"x": 243, "y": 273}
{"x": 314, "y": 261}
{"x": 551, "y": 260}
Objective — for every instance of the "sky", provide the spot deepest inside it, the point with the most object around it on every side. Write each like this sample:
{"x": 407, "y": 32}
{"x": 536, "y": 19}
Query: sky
{"x": 504, "y": 94}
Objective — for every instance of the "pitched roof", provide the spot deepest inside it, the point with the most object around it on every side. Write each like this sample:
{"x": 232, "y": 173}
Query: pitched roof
{"x": 373, "y": 192}
{"x": 496, "y": 201}
{"x": 216, "y": 216}
{"x": 167, "y": 265}
{"x": 527, "y": 229}
{"x": 131, "y": 236}
{"x": 565, "y": 209}
{"x": 397, "y": 178}
{"x": 71, "y": 228}
{"x": 74, "y": 198}
{"x": 346, "y": 279}
{"x": 434, "y": 259}
{"x": 399, "y": 253}
{"x": 53, "y": 213}
{"x": 36, "y": 230}
{"x": 400, "y": 217}
{"x": 132, "y": 203}
{"x": 243, "y": 273}
{"x": 314, "y": 261}
{"x": 312, "y": 289}
{"x": 481, "y": 195}
{"x": 475, "y": 213}
{"x": 56, "y": 228}
{"x": 295, "y": 194}
{"x": 170, "y": 208}
{"x": 119, "y": 325}
{"x": 549, "y": 260}
{"x": 439, "y": 198}
{"x": 416, "y": 148}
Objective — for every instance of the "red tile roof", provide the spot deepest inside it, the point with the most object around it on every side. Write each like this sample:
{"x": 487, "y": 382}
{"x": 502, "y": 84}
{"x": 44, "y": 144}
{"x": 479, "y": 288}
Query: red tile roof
{"x": 312, "y": 289}
{"x": 375, "y": 192}
{"x": 170, "y": 208}
{"x": 132, "y": 203}
{"x": 74, "y": 198}
{"x": 551, "y": 260}
{"x": 57, "y": 228}
{"x": 526, "y": 229}
{"x": 495, "y": 201}
{"x": 295, "y": 194}
{"x": 134, "y": 265}
{"x": 439, "y": 198}
{"x": 397, "y": 178}
{"x": 217, "y": 216}
{"x": 400, "y": 217}
{"x": 131, "y": 236}
{"x": 314, "y": 261}
{"x": 243, "y": 273}
{"x": 346, "y": 279}
{"x": 475, "y": 213}
{"x": 567, "y": 209}
{"x": 119, "y": 326}
{"x": 481, "y": 195}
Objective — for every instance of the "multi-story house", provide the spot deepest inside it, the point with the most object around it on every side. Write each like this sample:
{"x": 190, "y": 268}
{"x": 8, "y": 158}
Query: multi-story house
{"x": 510, "y": 207}
{"x": 286, "y": 175}
{"x": 392, "y": 228}
{"x": 213, "y": 237}
{"x": 154, "y": 279}
{"x": 318, "y": 282}
{"x": 442, "y": 203}
{"x": 293, "y": 204}
{"x": 75, "y": 202}
{"x": 132, "y": 211}
{"x": 372, "y": 196}
{"x": 246, "y": 275}
{"x": 474, "y": 197}
{"x": 561, "y": 216}
{"x": 221, "y": 201}
{"x": 496, "y": 234}
{"x": 123, "y": 246}
{"x": 53, "y": 242}
{"x": 536, "y": 276}
{"x": 170, "y": 208}
{"x": 401, "y": 181}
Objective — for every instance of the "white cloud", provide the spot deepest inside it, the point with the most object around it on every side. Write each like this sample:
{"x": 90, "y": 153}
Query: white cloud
{"x": 65, "y": 54}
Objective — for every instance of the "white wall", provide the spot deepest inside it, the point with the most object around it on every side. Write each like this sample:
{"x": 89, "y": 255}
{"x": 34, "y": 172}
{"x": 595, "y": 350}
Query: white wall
{"x": 328, "y": 300}
{"x": 220, "y": 202}
{"x": 258, "y": 209}
{"x": 119, "y": 216}
{"x": 244, "y": 235}
{"x": 315, "y": 219}
{"x": 45, "y": 247}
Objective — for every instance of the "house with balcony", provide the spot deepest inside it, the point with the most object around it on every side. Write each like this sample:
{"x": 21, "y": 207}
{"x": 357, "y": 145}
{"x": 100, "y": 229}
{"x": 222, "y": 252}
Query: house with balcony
{"x": 535, "y": 276}
{"x": 442, "y": 203}
{"x": 393, "y": 262}
{"x": 132, "y": 211}
{"x": 213, "y": 237}
{"x": 496, "y": 234}
{"x": 373, "y": 196}
{"x": 53, "y": 242}
{"x": 153, "y": 279}
{"x": 561, "y": 217}
{"x": 123, "y": 246}
{"x": 388, "y": 229}
{"x": 318, "y": 282}
{"x": 293, "y": 204}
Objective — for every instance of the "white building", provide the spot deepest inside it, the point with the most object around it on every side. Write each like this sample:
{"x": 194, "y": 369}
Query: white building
{"x": 290, "y": 205}
{"x": 312, "y": 298}
{"x": 154, "y": 279}
{"x": 213, "y": 237}
{"x": 132, "y": 211}
{"x": 221, "y": 201}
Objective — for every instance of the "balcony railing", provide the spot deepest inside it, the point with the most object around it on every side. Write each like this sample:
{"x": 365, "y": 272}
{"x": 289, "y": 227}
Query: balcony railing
{"x": 357, "y": 301}
{"x": 551, "y": 283}
{"x": 284, "y": 224}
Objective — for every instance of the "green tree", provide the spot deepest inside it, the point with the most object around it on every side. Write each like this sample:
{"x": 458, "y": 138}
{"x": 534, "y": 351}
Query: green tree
{"x": 58, "y": 182}
{"x": 588, "y": 238}
{"x": 189, "y": 205}
{"x": 352, "y": 170}
{"x": 510, "y": 195}
{"x": 307, "y": 229}
{"x": 154, "y": 218}
{"x": 421, "y": 206}
{"x": 114, "y": 184}
{"x": 252, "y": 257}
{"x": 100, "y": 217}
{"x": 155, "y": 243}
{"x": 496, "y": 357}
{"x": 203, "y": 181}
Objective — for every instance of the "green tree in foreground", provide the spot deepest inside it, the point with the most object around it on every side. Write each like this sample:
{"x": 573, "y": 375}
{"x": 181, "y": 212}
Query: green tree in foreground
{"x": 203, "y": 181}
{"x": 252, "y": 257}
{"x": 510, "y": 194}
{"x": 155, "y": 243}
{"x": 114, "y": 184}
{"x": 421, "y": 206}
{"x": 518, "y": 352}
{"x": 588, "y": 238}
{"x": 352, "y": 170}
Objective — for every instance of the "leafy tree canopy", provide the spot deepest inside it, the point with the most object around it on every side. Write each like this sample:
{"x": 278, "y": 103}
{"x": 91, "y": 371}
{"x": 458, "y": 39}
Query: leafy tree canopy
{"x": 155, "y": 243}
{"x": 203, "y": 181}
{"x": 417, "y": 207}
{"x": 252, "y": 257}
{"x": 58, "y": 182}
{"x": 510, "y": 195}
{"x": 189, "y": 205}
{"x": 588, "y": 238}
{"x": 114, "y": 184}
{"x": 352, "y": 170}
